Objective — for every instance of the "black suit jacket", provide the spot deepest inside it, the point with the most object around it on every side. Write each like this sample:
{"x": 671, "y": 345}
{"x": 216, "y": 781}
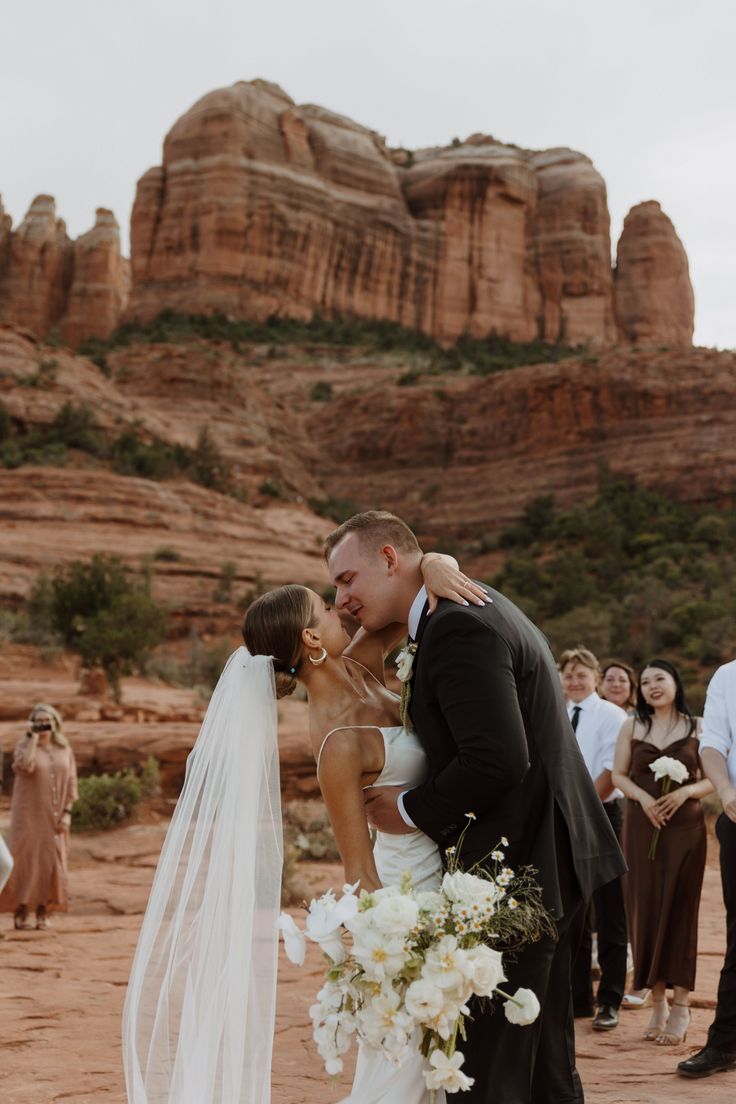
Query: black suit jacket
{"x": 487, "y": 704}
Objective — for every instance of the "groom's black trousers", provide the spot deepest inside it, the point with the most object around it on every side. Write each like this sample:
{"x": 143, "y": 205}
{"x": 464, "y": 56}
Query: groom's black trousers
{"x": 534, "y": 1064}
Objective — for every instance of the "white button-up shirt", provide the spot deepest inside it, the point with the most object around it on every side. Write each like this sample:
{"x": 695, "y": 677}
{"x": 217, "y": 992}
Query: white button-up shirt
{"x": 599, "y": 724}
{"x": 719, "y": 717}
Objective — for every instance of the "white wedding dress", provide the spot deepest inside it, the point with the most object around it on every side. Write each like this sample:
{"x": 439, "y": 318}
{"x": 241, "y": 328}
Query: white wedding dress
{"x": 378, "y": 1081}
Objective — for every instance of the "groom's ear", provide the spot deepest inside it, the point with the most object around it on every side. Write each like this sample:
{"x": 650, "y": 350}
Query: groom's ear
{"x": 391, "y": 558}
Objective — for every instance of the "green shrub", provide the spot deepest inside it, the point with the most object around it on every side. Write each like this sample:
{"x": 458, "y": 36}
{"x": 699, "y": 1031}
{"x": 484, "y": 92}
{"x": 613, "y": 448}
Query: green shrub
{"x": 272, "y": 488}
{"x": 224, "y": 586}
{"x": 335, "y": 509}
{"x": 166, "y": 554}
{"x": 101, "y": 613}
{"x": 321, "y": 392}
{"x": 105, "y": 800}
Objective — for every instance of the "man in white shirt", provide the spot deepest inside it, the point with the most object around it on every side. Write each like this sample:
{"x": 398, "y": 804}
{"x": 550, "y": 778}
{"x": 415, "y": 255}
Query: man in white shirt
{"x": 718, "y": 758}
{"x": 597, "y": 724}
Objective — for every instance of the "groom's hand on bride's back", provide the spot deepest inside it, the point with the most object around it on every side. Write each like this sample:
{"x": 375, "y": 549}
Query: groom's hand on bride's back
{"x": 382, "y": 809}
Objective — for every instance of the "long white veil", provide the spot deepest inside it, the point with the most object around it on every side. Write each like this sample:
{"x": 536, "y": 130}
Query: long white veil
{"x": 199, "y": 1012}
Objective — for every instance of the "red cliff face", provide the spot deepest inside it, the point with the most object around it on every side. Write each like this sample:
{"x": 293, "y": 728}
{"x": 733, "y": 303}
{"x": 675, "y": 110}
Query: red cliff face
{"x": 654, "y": 296}
{"x": 50, "y": 283}
{"x": 264, "y": 207}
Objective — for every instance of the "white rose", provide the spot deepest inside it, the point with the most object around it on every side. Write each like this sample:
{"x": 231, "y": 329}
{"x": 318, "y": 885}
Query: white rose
{"x": 430, "y": 901}
{"x": 522, "y": 1008}
{"x": 423, "y": 1000}
{"x": 396, "y": 915}
{"x": 487, "y": 967}
{"x": 467, "y": 890}
{"x": 446, "y": 1072}
{"x": 667, "y": 767}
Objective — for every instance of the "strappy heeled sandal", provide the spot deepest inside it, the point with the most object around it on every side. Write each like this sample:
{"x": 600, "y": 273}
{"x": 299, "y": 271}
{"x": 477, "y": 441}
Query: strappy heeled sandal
{"x": 669, "y": 1038}
{"x": 655, "y": 1029}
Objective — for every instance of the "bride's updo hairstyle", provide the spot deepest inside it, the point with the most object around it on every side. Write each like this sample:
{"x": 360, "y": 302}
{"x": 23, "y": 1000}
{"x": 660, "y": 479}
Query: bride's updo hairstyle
{"x": 273, "y": 626}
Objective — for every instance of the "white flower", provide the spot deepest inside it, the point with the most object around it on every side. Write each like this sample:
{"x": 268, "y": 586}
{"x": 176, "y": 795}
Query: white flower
{"x": 504, "y": 841}
{"x": 333, "y": 1066}
{"x": 405, "y": 662}
{"x": 470, "y": 895}
{"x": 446, "y": 1072}
{"x": 381, "y": 956}
{"x": 446, "y": 965}
{"x": 667, "y": 767}
{"x": 471, "y": 816}
{"x": 487, "y": 967}
{"x": 295, "y": 942}
{"x": 382, "y": 1018}
{"x": 430, "y": 901}
{"x": 497, "y": 856}
{"x": 327, "y": 914}
{"x": 522, "y": 1008}
{"x": 512, "y": 903}
{"x": 396, "y": 915}
{"x": 423, "y": 1000}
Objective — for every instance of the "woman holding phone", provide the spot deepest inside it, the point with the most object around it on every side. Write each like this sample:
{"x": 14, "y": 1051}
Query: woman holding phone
{"x": 44, "y": 791}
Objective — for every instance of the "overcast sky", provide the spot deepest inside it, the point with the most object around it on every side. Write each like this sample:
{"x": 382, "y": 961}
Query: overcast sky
{"x": 646, "y": 88}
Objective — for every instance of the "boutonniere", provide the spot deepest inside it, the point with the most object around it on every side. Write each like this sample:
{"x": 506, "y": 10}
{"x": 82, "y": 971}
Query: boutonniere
{"x": 405, "y": 662}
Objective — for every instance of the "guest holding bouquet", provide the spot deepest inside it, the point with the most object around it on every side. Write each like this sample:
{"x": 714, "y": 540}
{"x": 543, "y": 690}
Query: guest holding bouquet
{"x": 656, "y": 766}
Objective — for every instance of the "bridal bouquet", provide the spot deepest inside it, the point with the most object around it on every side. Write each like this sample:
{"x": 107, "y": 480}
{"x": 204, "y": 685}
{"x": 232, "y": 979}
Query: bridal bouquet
{"x": 669, "y": 770}
{"x": 403, "y": 964}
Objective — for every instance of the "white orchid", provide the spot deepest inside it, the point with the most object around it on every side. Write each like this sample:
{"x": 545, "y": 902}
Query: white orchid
{"x": 295, "y": 942}
{"x": 446, "y": 1072}
{"x": 446, "y": 965}
{"x": 327, "y": 914}
{"x": 381, "y": 956}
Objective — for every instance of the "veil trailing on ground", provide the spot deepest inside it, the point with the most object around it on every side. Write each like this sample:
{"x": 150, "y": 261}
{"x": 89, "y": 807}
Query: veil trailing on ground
{"x": 199, "y": 1012}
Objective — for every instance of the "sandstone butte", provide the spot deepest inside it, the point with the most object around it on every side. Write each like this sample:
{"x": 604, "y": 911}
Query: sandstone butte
{"x": 263, "y": 207}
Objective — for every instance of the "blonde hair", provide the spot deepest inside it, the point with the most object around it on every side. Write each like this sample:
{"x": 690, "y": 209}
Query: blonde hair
{"x": 579, "y": 655}
{"x": 273, "y": 626}
{"x": 374, "y": 528}
{"x": 57, "y": 736}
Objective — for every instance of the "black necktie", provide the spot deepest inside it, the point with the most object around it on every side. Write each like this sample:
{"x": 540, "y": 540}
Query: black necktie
{"x": 575, "y": 717}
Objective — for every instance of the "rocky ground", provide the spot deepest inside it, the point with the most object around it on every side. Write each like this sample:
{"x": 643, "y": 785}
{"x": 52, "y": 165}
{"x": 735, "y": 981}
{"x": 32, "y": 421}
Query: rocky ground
{"x": 62, "y": 996}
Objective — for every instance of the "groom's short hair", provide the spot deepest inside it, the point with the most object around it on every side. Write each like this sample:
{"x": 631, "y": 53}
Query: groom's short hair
{"x": 374, "y": 527}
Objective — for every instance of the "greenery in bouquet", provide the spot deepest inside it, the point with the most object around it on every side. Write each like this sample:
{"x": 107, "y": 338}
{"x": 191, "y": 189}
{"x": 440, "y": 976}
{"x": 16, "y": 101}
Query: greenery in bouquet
{"x": 404, "y": 963}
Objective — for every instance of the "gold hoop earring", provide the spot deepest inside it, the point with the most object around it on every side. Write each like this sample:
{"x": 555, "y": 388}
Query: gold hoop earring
{"x": 320, "y": 658}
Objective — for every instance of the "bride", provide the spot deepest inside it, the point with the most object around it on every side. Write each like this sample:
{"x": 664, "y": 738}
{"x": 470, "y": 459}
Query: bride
{"x": 200, "y": 1007}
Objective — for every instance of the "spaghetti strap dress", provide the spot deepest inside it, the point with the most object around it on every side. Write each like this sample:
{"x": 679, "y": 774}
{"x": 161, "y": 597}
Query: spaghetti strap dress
{"x": 663, "y": 894}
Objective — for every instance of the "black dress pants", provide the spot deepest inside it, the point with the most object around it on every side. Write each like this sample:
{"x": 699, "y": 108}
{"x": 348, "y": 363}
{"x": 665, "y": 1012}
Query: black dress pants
{"x": 606, "y": 916}
{"x": 722, "y": 1033}
{"x": 534, "y": 1064}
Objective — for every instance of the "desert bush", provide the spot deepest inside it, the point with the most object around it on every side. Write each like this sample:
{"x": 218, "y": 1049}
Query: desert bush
{"x": 105, "y": 800}
{"x": 166, "y": 554}
{"x": 224, "y": 585}
{"x": 335, "y": 509}
{"x": 321, "y": 392}
{"x": 100, "y": 612}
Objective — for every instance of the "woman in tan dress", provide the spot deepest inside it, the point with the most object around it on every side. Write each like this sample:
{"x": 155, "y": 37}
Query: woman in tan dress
{"x": 662, "y": 893}
{"x": 44, "y": 791}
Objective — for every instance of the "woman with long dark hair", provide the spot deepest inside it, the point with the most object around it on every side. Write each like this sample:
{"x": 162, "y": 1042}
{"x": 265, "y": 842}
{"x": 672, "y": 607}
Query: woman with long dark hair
{"x": 665, "y": 874}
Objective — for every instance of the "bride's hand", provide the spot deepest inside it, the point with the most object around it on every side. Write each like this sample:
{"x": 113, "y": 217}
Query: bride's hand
{"x": 443, "y": 579}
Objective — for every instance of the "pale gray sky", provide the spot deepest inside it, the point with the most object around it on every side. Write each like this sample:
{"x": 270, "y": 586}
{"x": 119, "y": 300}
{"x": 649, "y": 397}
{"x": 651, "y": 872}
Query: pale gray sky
{"x": 646, "y": 88}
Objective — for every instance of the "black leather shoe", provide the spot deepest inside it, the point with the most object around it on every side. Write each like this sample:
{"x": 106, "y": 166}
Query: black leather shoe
{"x": 707, "y": 1061}
{"x": 605, "y": 1018}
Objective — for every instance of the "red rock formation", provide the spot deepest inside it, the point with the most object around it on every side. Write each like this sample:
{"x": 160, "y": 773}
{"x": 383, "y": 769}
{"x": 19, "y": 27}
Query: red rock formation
{"x": 47, "y": 281}
{"x": 263, "y": 207}
{"x": 101, "y": 282}
{"x": 654, "y": 296}
{"x": 36, "y": 269}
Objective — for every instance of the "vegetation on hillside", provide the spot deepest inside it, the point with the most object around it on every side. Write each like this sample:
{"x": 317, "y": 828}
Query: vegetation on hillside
{"x": 482, "y": 357}
{"x": 130, "y": 452}
{"x": 105, "y": 800}
{"x": 632, "y": 572}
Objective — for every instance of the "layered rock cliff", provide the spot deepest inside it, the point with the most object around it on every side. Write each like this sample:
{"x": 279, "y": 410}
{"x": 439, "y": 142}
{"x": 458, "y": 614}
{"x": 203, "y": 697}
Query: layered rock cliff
{"x": 263, "y": 207}
{"x": 50, "y": 283}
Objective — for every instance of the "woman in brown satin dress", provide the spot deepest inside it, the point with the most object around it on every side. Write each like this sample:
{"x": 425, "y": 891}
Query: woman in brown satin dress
{"x": 662, "y": 894}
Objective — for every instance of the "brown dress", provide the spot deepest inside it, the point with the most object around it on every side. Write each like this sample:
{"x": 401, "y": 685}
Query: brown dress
{"x": 45, "y": 784}
{"x": 663, "y": 894}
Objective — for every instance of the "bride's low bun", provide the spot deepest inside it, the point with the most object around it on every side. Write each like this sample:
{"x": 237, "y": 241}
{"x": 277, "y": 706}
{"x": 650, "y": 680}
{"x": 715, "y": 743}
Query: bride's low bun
{"x": 273, "y": 627}
{"x": 285, "y": 683}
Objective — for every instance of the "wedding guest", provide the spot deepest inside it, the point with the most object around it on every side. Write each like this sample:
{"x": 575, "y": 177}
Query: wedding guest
{"x": 596, "y": 724}
{"x": 44, "y": 791}
{"x": 718, "y": 756}
{"x": 664, "y": 844}
{"x": 618, "y": 685}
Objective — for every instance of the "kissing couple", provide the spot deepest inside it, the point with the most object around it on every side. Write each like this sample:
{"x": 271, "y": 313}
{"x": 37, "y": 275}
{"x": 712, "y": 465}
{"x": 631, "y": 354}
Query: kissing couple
{"x": 481, "y": 726}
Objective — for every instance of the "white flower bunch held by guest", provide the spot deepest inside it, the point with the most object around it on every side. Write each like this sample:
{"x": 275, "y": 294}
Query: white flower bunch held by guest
{"x": 412, "y": 961}
{"x": 657, "y": 767}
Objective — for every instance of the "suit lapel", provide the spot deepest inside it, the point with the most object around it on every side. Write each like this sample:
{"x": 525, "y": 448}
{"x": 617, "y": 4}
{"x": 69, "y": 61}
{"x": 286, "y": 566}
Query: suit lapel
{"x": 417, "y": 640}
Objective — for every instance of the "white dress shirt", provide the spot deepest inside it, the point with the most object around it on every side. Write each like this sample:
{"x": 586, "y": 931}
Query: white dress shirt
{"x": 599, "y": 723}
{"x": 719, "y": 717}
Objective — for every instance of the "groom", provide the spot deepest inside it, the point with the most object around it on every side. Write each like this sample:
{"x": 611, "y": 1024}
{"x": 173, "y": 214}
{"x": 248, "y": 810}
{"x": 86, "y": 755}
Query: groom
{"x": 487, "y": 705}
